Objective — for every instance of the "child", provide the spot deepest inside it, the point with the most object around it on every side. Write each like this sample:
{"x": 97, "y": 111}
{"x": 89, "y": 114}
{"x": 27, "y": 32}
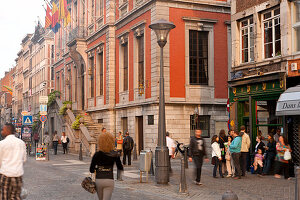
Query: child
{"x": 258, "y": 161}
{"x": 229, "y": 162}
{"x": 216, "y": 156}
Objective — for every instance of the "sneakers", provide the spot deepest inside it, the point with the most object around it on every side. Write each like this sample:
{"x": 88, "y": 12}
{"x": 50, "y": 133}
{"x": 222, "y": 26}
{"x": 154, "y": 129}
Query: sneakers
{"x": 228, "y": 176}
{"x": 198, "y": 183}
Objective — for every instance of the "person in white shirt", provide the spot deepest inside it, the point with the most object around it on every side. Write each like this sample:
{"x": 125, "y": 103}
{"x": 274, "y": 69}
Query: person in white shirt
{"x": 216, "y": 156}
{"x": 64, "y": 141}
{"x": 12, "y": 157}
{"x": 171, "y": 146}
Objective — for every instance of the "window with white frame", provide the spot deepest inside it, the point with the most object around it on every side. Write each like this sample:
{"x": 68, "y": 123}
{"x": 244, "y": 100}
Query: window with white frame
{"x": 271, "y": 30}
{"x": 247, "y": 40}
{"x": 296, "y": 25}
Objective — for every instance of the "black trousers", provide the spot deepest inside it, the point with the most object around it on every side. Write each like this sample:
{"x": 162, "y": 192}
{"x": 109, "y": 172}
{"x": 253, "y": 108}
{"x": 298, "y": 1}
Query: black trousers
{"x": 243, "y": 162}
{"x": 281, "y": 166}
{"x": 237, "y": 164}
{"x": 55, "y": 143}
{"x": 198, "y": 160}
{"x": 128, "y": 154}
{"x": 218, "y": 163}
{"x": 65, "y": 147}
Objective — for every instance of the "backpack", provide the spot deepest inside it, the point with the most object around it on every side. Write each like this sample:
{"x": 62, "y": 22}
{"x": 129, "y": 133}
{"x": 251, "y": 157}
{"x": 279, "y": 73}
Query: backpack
{"x": 68, "y": 140}
{"x": 128, "y": 143}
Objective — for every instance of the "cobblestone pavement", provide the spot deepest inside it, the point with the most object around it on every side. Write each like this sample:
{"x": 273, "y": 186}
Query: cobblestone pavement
{"x": 60, "y": 178}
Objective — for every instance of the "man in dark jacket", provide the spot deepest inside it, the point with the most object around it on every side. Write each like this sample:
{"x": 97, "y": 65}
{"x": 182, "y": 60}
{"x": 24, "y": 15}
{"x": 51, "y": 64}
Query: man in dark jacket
{"x": 127, "y": 148}
{"x": 197, "y": 152}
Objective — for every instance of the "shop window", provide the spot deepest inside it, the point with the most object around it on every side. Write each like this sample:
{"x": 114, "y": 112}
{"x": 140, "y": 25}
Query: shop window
{"x": 198, "y": 57}
{"x": 271, "y": 27}
{"x": 247, "y": 40}
{"x": 150, "y": 119}
{"x": 201, "y": 122}
{"x": 266, "y": 113}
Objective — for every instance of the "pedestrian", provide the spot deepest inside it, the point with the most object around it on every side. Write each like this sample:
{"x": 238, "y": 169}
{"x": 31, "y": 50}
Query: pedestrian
{"x": 277, "y": 135}
{"x": 12, "y": 157}
{"x": 103, "y": 130}
{"x": 244, "y": 150}
{"x": 229, "y": 161}
{"x": 216, "y": 156}
{"x": 127, "y": 148}
{"x": 270, "y": 154}
{"x": 46, "y": 139}
{"x": 235, "y": 150}
{"x": 258, "y": 161}
{"x": 65, "y": 140}
{"x": 281, "y": 164}
{"x": 222, "y": 140}
{"x": 102, "y": 163}
{"x": 260, "y": 144}
{"x": 197, "y": 152}
{"x": 171, "y": 146}
{"x": 55, "y": 142}
{"x": 36, "y": 138}
{"x": 120, "y": 142}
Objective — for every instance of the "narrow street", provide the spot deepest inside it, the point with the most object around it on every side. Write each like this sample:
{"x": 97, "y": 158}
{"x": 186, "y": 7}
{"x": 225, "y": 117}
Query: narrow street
{"x": 60, "y": 178}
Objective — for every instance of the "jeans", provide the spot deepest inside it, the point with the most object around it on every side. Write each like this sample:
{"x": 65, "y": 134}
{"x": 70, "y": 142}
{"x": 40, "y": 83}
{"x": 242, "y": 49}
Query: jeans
{"x": 55, "y": 143}
{"x": 243, "y": 162}
{"x": 198, "y": 160}
{"x": 268, "y": 164}
{"x": 218, "y": 163}
{"x": 65, "y": 147}
{"x": 236, "y": 162}
{"x": 128, "y": 154}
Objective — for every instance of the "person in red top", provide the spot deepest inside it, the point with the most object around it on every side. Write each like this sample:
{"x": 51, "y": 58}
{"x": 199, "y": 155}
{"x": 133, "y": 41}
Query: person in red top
{"x": 282, "y": 164}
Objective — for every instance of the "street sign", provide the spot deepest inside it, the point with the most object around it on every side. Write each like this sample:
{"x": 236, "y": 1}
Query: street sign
{"x": 43, "y": 109}
{"x": 43, "y": 118}
{"x": 24, "y": 112}
{"x": 43, "y": 99}
{"x": 27, "y": 120}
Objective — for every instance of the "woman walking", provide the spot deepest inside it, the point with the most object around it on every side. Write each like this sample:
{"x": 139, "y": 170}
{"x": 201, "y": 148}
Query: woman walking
{"x": 216, "y": 156}
{"x": 282, "y": 164}
{"x": 103, "y": 162}
{"x": 55, "y": 142}
{"x": 65, "y": 141}
{"x": 270, "y": 154}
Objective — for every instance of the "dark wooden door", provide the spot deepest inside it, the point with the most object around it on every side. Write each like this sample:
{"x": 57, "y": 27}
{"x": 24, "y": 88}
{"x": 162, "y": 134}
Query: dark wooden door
{"x": 140, "y": 133}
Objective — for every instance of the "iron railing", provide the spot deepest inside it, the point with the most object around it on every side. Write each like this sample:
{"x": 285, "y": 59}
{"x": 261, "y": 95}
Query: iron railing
{"x": 78, "y": 32}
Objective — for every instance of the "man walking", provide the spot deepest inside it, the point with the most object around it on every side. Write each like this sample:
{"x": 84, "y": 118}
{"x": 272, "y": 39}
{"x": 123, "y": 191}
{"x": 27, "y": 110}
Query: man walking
{"x": 171, "y": 146}
{"x": 12, "y": 157}
{"x": 235, "y": 150}
{"x": 197, "y": 153}
{"x": 127, "y": 148}
{"x": 244, "y": 149}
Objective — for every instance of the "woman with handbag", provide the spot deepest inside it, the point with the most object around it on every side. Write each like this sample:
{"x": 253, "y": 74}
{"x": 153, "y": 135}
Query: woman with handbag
{"x": 102, "y": 163}
{"x": 229, "y": 162}
{"x": 282, "y": 158}
{"x": 216, "y": 156}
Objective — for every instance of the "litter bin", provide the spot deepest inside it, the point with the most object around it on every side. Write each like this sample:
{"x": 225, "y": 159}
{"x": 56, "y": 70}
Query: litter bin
{"x": 145, "y": 162}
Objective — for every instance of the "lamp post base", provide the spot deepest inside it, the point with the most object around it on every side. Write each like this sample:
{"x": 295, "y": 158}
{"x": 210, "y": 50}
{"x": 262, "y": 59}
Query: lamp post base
{"x": 162, "y": 165}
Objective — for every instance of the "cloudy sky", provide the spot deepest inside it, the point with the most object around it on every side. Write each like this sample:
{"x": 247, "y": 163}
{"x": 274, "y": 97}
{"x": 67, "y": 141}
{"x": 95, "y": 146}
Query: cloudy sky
{"x": 17, "y": 18}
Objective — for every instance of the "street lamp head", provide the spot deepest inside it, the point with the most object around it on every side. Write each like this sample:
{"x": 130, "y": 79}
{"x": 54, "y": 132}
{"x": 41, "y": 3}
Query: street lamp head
{"x": 162, "y": 29}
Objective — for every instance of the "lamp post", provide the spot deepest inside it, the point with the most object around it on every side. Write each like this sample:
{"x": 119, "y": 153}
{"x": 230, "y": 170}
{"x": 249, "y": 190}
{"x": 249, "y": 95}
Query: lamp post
{"x": 161, "y": 29}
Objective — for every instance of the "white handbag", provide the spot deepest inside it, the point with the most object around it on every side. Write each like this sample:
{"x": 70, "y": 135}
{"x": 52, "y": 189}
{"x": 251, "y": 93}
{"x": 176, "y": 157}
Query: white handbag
{"x": 287, "y": 155}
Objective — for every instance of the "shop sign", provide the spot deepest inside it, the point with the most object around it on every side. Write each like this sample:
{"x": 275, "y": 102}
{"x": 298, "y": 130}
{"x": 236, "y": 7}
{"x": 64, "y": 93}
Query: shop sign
{"x": 288, "y": 105}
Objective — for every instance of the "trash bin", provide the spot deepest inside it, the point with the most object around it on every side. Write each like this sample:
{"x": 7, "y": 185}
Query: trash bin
{"x": 145, "y": 160}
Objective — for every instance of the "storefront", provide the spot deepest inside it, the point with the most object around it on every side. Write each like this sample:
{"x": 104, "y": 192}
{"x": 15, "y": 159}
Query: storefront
{"x": 253, "y": 104}
{"x": 288, "y": 106}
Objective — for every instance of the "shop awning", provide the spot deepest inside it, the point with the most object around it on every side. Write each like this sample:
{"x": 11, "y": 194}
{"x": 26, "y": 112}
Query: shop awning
{"x": 289, "y": 102}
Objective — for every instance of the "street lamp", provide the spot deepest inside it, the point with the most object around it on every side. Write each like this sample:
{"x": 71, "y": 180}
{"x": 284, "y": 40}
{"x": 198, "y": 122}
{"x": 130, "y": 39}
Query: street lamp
{"x": 161, "y": 29}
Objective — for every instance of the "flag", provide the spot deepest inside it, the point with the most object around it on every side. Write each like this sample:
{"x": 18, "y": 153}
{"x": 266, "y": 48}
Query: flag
{"x": 67, "y": 20}
{"x": 9, "y": 89}
{"x": 55, "y": 21}
{"x": 64, "y": 13}
{"x": 48, "y": 18}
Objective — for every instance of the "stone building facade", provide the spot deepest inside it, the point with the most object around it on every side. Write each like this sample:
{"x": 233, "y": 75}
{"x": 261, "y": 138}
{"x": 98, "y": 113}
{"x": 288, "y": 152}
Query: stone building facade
{"x": 107, "y": 64}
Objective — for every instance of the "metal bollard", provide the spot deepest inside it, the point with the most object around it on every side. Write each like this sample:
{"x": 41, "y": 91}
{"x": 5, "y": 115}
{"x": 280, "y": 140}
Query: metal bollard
{"x": 134, "y": 152}
{"x": 80, "y": 152}
{"x": 229, "y": 195}
{"x": 182, "y": 185}
{"x": 186, "y": 157}
{"x": 297, "y": 185}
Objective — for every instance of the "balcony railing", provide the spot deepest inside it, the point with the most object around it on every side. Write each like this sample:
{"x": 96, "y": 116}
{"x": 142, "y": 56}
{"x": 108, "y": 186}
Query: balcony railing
{"x": 78, "y": 32}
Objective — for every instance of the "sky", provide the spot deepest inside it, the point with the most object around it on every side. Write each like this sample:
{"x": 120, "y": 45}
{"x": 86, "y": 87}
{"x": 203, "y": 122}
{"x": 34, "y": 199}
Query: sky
{"x": 17, "y": 18}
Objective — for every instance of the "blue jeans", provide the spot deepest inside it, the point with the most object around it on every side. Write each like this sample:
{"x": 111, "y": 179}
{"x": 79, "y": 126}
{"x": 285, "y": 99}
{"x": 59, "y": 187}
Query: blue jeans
{"x": 55, "y": 143}
{"x": 218, "y": 163}
{"x": 268, "y": 164}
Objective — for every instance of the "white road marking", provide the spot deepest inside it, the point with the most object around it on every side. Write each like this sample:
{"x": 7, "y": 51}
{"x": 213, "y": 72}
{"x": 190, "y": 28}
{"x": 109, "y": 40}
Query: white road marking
{"x": 70, "y": 162}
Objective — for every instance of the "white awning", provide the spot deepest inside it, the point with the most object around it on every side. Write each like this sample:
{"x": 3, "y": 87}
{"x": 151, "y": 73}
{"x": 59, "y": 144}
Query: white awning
{"x": 289, "y": 102}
